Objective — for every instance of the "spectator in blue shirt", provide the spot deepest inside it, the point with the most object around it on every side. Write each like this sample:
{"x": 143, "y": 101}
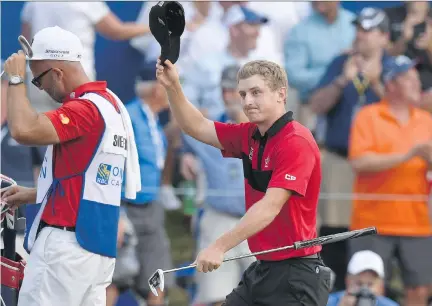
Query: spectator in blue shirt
{"x": 147, "y": 212}
{"x": 352, "y": 80}
{"x": 310, "y": 47}
{"x": 224, "y": 202}
{"x": 365, "y": 270}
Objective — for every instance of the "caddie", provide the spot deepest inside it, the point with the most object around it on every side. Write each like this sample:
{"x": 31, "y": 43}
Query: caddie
{"x": 91, "y": 150}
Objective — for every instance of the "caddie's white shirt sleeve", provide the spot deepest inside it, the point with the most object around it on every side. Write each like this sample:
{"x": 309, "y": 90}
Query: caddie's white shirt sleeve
{"x": 95, "y": 11}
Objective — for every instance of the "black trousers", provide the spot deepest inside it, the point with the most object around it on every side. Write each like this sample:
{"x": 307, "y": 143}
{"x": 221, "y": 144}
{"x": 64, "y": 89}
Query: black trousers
{"x": 335, "y": 255}
{"x": 294, "y": 281}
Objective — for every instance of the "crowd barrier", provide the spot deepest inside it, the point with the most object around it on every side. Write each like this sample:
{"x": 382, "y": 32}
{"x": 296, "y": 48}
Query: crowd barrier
{"x": 323, "y": 195}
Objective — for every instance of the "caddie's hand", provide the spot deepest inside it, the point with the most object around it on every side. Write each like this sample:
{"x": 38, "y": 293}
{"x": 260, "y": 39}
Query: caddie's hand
{"x": 16, "y": 64}
{"x": 16, "y": 196}
{"x": 209, "y": 259}
{"x": 167, "y": 75}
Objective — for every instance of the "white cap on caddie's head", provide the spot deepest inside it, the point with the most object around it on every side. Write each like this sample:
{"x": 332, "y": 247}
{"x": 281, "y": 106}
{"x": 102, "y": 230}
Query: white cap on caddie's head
{"x": 56, "y": 44}
{"x": 366, "y": 261}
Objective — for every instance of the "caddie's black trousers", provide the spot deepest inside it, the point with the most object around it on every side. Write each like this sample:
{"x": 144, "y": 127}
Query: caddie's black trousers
{"x": 294, "y": 281}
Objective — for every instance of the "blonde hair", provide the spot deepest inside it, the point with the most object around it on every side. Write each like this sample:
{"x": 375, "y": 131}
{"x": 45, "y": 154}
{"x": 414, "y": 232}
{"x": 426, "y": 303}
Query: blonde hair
{"x": 273, "y": 74}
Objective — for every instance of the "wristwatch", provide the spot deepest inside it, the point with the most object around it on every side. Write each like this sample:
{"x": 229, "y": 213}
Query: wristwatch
{"x": 16, "y": 80}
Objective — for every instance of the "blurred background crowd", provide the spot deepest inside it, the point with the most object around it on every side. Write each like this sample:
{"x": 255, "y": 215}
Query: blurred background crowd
{"x": 336, "y": 56}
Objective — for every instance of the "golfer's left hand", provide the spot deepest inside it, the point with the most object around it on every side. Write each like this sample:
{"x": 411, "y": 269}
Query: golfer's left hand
{"x": 209, "y": 259}
{"x": 16, "y": 64}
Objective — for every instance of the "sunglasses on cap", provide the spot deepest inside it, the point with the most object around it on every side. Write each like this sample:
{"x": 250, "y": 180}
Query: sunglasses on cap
{"x": 38, "y": 80}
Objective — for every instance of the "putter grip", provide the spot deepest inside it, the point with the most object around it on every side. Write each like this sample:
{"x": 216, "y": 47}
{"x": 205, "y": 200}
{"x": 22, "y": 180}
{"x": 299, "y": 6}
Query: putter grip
{"x": 335, "y": 238}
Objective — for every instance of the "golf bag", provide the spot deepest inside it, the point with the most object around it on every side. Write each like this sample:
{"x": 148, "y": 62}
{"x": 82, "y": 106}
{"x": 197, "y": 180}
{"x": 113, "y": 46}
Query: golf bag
{"x": 12, "y": 264}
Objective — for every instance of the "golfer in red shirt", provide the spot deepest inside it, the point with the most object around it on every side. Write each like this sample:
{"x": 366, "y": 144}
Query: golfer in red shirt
{"x": 282, "y": 171}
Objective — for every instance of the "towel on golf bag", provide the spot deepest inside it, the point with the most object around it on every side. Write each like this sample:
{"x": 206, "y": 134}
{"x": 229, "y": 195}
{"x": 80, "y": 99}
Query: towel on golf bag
{"x": 12, "y": 272}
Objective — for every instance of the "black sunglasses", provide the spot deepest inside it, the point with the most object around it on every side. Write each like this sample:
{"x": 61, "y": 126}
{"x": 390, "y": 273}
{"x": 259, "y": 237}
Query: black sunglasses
{"x": 37, "y": 80}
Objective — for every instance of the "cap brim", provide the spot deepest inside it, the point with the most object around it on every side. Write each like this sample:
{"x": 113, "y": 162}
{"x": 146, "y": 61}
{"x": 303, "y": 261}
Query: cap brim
{"x": 371, "y": 270}
{"x": 366, "y": 268}
{"x": 38, "y": 58}
{"x": 357, "y": 23}
{"x": 413, "y": 64}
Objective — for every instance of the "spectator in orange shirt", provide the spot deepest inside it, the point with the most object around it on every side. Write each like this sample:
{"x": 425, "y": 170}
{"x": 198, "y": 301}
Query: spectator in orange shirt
{"x": 390, "y": 152}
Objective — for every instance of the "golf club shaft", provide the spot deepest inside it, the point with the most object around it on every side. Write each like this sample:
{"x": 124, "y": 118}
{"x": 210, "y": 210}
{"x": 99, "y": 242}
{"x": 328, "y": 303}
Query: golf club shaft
{"x": 299, "y": 245}
{"x": 235, "y": 258}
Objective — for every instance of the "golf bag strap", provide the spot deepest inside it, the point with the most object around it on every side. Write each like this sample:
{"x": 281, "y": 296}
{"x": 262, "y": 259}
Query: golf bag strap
{"x": 12, "y": 272}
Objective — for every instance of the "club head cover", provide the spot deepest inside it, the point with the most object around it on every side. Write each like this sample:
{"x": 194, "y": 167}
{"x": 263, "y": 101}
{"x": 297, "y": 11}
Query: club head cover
{"x": 156, "y": 280}
{"x": 6, "y": 183}
{"x": 167, "y": 24}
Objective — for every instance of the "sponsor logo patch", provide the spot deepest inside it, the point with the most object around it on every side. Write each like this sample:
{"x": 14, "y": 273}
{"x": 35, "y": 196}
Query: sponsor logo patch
{"x": 64, "y": 119}
{"x": 103, "y": 174}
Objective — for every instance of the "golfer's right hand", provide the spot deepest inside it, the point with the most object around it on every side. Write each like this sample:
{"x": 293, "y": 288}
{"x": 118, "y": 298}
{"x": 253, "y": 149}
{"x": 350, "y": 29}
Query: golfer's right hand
{"x": 16, "y": 196}
{"x": 167, "y": 75}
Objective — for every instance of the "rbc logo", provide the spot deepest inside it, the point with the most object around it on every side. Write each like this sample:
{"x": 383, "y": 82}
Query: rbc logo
{"x": 103, "y": 174}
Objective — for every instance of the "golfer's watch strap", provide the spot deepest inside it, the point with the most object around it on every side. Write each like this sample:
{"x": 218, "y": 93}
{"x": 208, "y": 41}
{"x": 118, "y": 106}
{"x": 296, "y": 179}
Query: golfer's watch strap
{"x": 16, "y": 80}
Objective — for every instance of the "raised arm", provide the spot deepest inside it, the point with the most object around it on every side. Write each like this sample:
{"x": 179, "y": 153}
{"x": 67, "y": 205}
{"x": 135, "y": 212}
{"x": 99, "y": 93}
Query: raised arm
{"x": 109, "y": 25}
{"x": 70, "y": 121}
{"x": 188, "y": 117}
{"x": 113, "y": 28}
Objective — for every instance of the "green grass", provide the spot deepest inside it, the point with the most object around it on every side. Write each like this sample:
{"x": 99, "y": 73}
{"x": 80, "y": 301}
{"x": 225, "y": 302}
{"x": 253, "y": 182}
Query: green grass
{"x": 182, "y": 250}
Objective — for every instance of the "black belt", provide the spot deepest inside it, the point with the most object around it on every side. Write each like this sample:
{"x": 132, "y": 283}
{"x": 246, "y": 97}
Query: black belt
{"x": 313, "y": 256}
{"x": 43, "y": 224}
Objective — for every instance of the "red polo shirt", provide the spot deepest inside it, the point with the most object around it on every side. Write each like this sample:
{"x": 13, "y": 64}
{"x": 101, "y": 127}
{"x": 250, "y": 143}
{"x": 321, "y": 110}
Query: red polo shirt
{"x": 79, "y": 126}
{"x": 287, "y": 157}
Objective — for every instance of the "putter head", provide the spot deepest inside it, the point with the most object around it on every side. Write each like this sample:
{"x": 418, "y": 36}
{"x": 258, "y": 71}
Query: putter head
{"x": 156, "y": 280}
{"x": 26, "y": 47}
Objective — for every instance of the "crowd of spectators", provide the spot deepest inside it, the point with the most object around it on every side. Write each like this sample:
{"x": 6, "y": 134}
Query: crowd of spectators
{"x": 361, "y": 82}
